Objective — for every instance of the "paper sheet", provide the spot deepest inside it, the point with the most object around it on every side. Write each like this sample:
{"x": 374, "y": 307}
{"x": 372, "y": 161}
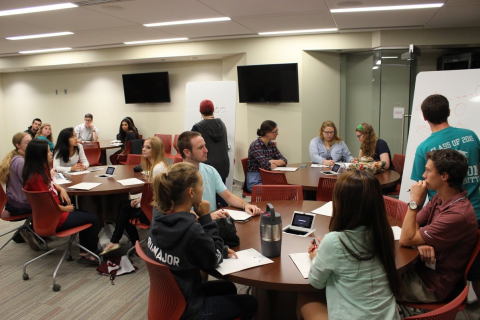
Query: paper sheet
{"x": 238, "y": 215}
{"x": 396, "y": 232}
{"x": 246, "y": 259}
{"x": 303, "y": 262}
{"x": 316, "y": 165}
{"x": 288, "y": 169}
{"x": 77, "y": 173}
{"x": 85, "y": 186}
{"x": 325, "y": 210}
{"x": 130, "y": 182}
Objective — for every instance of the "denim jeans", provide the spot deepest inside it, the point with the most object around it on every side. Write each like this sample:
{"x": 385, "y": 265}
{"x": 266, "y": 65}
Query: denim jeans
{"x": 253, "y": 179}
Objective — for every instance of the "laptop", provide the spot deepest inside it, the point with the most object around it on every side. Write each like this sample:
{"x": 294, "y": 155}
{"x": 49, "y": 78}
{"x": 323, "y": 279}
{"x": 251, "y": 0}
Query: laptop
{"x": 109, "y": 173}
{"x": 334, "y": 170}
{"x": 302, "y": 224}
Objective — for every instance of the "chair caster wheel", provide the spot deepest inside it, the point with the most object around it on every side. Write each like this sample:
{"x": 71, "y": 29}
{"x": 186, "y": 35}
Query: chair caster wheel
{"x": 25, "y": 276}
{"x": 69, "y": 258}
{"x": 56, "y": 287}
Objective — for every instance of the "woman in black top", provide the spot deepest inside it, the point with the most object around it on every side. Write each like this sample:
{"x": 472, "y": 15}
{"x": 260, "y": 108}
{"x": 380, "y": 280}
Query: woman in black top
{"x": 127, "y": 132}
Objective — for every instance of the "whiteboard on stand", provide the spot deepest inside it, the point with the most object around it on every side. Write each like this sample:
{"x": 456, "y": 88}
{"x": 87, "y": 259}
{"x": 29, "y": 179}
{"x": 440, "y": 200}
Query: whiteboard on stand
{"x": 462, "y": 89}
{"x": 223, "y": 94}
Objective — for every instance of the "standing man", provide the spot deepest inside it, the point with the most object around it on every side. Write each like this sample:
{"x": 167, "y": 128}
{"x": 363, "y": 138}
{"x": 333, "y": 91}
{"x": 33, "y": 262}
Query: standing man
{"x": 192, "y": 149}
{"x": 32, "y": 130}
{"x": 444, "y": 231}
{"x": 87, "y": 131}
{"x": 214, "y": 132}
{"x": 435, "y": 109}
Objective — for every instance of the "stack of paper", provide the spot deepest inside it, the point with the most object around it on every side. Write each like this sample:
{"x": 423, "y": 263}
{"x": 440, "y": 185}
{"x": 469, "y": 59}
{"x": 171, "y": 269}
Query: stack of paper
{"x": 130, "y": 182}
{"x": 238, "y": 215}
{"x": 285, "y": 169}
{"x": 325, "y": 210}
{"x": 77, "y": 173}
{"x": 303, "y": 262}
{"x": 397, "y": 231}
{"x": 246, "y": 259}
{"x": 85, "y": 186}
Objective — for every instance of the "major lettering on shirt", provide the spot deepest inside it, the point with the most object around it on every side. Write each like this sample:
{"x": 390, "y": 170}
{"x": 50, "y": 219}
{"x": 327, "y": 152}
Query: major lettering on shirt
{"x": 472, "y": 174}
{"x": 161, "y": 256}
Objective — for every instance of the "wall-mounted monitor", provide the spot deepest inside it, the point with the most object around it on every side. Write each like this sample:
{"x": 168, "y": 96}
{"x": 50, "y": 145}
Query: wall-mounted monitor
{"x": 268, "y": 83}
{"x": 146, "y": 87}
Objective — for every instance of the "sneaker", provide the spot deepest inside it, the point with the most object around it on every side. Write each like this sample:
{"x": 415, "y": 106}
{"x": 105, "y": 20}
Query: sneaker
{"x": 32, "y": 241}
{"x": 23, "y": 233}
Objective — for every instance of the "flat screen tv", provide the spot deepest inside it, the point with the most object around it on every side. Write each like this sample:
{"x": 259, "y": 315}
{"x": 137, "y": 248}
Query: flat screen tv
{"x": 146, "y": 87}
{"x": 268, "y": 83}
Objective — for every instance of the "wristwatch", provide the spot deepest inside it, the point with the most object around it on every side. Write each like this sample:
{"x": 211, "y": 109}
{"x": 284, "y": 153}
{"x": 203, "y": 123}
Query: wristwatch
{"x": 413, "y": 205}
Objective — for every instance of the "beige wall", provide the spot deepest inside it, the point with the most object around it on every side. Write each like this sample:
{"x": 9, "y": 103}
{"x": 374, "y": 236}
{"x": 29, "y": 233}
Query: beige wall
{"x": 99, "y": 89}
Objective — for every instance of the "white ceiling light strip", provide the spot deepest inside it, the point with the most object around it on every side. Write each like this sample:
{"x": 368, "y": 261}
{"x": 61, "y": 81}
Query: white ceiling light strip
{"x": 298, "y": 31}
{"x": 153, "y": 41}
{"x": 45, "y": 35}
{"x": 45, "y": 50}
{"x": 37, "y": 9}
{"x": 386, "y": 8}
{"x": 171, "y": 23}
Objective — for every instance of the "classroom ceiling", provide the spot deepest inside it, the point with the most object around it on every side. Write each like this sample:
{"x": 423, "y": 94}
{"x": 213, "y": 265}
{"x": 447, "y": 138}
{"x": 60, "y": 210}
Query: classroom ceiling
{"x": 109, "y": 23}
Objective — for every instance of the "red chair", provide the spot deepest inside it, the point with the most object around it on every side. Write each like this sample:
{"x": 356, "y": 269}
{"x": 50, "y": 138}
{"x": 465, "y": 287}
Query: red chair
{"x": 46, "y": 214}
{"x": 325, "y": 189}
{"x": 395, "y": 208}
{"x": 167, "y": 144}
{"x": 92, "y": 152}
{"x": 147, "y": 208}
{"x": 398, "y": 163}
{"x": 435, "y": 306}
{"x": 175, "y": 140}
{"x": 165, "y": 300}
{"x": 447, "y": 312}
{"x": 244, "y": 191}
{"x": 133, "y": 159}
{"x": 272, "y": 193}
{"x": 177, "y": 159}
{"x": 6, "y": 216}
{"x": 273, "y": 177}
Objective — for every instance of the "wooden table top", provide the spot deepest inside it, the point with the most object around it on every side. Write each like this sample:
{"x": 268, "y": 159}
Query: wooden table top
{"x": 308, "y": 177}
{"x": 108, "y": 185}
{"x": 105, "y": 144}
{"x": 283, "y": 275}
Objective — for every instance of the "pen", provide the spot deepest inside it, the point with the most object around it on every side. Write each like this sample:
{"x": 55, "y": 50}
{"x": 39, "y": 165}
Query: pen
{"x": 221, "y": 208}
{"x": 314, "y": 243}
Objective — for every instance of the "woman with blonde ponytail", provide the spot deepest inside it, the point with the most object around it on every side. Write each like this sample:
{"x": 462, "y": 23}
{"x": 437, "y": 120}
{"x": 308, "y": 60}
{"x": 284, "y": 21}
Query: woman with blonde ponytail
{"x": 186, "y": 246}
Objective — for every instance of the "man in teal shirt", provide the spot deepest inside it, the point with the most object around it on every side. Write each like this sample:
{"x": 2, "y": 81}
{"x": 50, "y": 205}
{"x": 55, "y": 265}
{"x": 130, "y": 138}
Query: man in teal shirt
{"x": 436, "y": 110}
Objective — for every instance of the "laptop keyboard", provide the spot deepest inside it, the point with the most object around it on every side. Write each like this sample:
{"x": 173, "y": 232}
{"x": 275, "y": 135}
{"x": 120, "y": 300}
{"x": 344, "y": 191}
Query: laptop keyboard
{"x": 300, "y": 233}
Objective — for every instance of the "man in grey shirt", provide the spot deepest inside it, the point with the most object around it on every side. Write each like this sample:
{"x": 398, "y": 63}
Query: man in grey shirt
{"x": 87, "y": 131}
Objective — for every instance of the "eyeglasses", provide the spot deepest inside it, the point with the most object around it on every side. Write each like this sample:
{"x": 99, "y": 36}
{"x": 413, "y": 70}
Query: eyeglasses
{"x": 329, "y": 132}
{"x": 276, "y": 131}
{"x": 359, "y": 135}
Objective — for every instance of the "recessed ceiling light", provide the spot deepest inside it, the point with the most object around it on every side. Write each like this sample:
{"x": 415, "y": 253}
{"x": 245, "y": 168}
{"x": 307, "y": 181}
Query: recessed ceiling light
{"x": 45, "y": 35}
{"x": 393, "y": 57}
{"x": 376, "y": 67}
{"x": 45, "y": 50}
{"x": 385, "y": 8}
{"x": 298, "y": 31}
{"x": 379, "y": 62}
{"x": 158, "y": 40}
{"x": 171, "y": 23}
{"x": 37, "y": 9}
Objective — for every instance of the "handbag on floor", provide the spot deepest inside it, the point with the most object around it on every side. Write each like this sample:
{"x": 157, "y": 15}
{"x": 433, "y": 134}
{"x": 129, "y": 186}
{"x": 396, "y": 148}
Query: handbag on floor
{"x": 116, "y": 266}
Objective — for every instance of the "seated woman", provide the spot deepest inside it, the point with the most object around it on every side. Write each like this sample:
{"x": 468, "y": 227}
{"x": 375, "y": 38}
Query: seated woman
{"x": 68, "y": 153}
{"x": 191, "y": 246}
{"x": 328, "y": 148}
{"x": 45, "y": 132}
{"x": 373, "y": 147}
{"x": 263, "y": 153}
{"x": 37, "y": 177}
{"x": 355, "y": 262}
{"x": 127, "y": 132}
{"x": 154, "y": 162}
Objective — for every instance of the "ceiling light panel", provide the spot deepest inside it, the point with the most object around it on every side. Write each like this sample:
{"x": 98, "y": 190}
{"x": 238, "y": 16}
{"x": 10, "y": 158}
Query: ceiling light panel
{"x": 156, "y": 41}
{"x": 173, "y": 23}
{"x": 45, "y": 50}
{"x": 37, "y": 9}
{"x": 35, "y": 36}
{"x": 298, "y": 31}
{"x": 388, "y": 8}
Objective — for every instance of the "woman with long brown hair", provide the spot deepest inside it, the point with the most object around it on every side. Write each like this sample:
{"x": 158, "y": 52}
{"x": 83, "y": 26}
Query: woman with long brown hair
{"x": 355, "y": 261}
{"x": 373, "y": 147}
{"x": 328, "y": 147}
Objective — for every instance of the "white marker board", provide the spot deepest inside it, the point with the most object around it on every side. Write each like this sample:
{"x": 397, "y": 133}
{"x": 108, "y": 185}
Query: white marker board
{"x": 223, "y": 94}
{"x": 462, "y": 89}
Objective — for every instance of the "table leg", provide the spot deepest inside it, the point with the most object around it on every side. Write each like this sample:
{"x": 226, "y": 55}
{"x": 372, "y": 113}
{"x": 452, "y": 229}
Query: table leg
{"x": 103, "y": 157}
{"x": 274, "y": 304}
{"x": 105, "y": 206}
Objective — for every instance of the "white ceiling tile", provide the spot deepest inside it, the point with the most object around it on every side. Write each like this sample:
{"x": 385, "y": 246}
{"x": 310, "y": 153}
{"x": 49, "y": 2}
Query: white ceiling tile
{"x": 238, "y": 8}
{"x": 385, "y": 19}
{"x": 9, "y": 28}
{"x": 200, "y": 30}
{"x": 17, "y": 4}
{"x": 288, "y": 22}
{"x": 456, "y": 16}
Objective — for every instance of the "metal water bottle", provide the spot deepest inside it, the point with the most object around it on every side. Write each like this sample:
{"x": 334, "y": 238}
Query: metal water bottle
{"x": 271, "y": 232}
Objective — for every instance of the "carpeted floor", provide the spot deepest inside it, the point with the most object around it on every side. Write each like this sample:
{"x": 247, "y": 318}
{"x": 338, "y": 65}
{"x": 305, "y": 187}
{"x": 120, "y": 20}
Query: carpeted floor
{"x": 85, "y": 294}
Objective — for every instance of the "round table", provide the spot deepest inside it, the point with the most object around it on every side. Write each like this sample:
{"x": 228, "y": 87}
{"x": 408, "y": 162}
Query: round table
{"x": 308, "y": 177}
{"x": 281, "y": 280}
{"x": 104, "y": 145}
{"x": 105, "y": 199}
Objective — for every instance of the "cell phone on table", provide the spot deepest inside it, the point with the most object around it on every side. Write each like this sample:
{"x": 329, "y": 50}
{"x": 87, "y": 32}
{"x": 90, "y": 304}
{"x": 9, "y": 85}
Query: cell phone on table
{"x": 109, "y": 173}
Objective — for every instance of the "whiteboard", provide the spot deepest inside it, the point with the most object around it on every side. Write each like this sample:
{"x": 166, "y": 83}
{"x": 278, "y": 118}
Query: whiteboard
{"x": 462, "y": 89}
{"x": 223, "y": 94}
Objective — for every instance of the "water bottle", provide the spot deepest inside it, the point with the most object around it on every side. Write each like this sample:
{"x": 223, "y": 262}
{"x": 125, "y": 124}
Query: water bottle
{"x": 271, "y": 232}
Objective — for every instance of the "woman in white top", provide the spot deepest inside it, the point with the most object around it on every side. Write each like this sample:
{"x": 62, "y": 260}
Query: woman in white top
{"x": 355, "y": 261}
{"x": 68, "y": 154}
{"x": 153, "y": 162}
